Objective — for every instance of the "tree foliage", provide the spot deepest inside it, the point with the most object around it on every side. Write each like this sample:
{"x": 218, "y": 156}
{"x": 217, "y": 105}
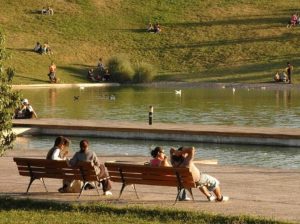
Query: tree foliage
{"x": 9, "y": 100}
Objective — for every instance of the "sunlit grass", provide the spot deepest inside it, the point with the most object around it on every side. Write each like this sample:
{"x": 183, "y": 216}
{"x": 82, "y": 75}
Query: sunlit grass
{"x": 225, "y": 40}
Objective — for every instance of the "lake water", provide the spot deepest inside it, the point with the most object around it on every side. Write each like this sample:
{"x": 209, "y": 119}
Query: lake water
{"x": 262, "y": 156}
{"x": 244, "y": 107}
{"x": 215, "y": 106}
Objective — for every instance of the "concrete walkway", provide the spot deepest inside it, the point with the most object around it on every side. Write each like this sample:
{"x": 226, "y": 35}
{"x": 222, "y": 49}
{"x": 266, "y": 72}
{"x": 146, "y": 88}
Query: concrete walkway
{"x": 160, "y": 131}
{"x": 271, "y": 193}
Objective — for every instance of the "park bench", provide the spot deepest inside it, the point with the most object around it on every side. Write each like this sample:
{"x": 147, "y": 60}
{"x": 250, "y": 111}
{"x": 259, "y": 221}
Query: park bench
{"x": 38, "y": 169}
{"x": 133, "y": 174}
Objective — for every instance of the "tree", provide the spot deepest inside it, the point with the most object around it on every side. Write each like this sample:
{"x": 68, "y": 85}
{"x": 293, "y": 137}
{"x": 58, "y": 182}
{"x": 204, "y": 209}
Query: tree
{"x": 9, "y": 101}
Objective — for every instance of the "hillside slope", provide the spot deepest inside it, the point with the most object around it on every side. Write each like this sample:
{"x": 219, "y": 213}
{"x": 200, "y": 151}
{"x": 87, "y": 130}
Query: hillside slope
{"x": 217, "y": 41}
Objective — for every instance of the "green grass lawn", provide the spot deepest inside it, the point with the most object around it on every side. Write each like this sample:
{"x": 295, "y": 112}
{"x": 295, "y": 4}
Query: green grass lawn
{"x": 29, "y": 211}
{"x": 201, "y": 41}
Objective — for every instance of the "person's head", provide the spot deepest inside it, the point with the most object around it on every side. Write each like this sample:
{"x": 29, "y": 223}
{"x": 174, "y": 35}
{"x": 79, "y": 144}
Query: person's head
{"x": 84, "y": 144}
{"x": 61, "y": 142}
{"x": 175, "y": 158}
{"x": 288, "y": 63}
{"x": 25, "y": 102}
{"x": 158, "y": 152}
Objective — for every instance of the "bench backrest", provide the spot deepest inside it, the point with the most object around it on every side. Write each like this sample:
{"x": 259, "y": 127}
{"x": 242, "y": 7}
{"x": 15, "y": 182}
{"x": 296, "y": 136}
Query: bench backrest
{"x": 147, "y": 175}
{"x": 43, "y": 168}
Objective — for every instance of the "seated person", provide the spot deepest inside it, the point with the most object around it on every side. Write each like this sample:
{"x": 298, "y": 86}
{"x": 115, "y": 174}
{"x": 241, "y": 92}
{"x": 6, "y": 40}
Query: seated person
{"x": 44, "y": 10}
{"x": 183, "y": 157}
{"x": 91, "y": 75}
{"x": 160, "y": 159}
{"x": 38, "y": 48}
{"x": 106, "y": 76}
{"x": 150, "y": 28}
{"x": 277, "y": 77}
{"x": 46, "y": 48}
{"x": 293, "y": 21}
{"x": 84, "y": 154}
{"x": 157, "y": 28}
{"x": 50, "y": 11}
{"x": 25, "y": 111}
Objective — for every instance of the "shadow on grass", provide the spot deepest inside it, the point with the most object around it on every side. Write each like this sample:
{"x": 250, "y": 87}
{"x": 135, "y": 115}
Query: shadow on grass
{"x": 282, "y": 38}
{"x": 46, "y": 80}
{"x": 22, "y": 49}
{"x": 244, "y": 73}
{"x": 131, "y": 30}
{"x": 249, "y": 20}
{"x": 80, "y": 72}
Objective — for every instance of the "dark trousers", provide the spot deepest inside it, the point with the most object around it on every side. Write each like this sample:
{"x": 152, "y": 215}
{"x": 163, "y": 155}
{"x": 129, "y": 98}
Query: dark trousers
{"x": 106, "y": 185}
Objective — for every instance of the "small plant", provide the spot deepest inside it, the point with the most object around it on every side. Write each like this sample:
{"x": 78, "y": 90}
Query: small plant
{"x": 144, "y": 73}
{"x": 120, "y": 69}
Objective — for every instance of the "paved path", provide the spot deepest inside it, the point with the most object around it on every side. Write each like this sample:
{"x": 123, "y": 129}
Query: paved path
{"x": 271, "y": 193}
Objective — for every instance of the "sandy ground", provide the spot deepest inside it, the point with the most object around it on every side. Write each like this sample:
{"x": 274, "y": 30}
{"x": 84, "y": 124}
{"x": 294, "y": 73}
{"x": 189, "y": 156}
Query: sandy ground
{"x": 270, "y": 193}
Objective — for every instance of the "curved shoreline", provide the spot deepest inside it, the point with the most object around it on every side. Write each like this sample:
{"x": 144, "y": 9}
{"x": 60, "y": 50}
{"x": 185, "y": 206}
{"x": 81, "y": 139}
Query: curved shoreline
{"x": 171, "y": 84}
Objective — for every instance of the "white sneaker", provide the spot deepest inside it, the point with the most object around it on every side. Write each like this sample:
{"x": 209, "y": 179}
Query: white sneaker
{"x": 211, "y": 198}
{"x": 107, "y": 193}
{"x": 223, "y": 199}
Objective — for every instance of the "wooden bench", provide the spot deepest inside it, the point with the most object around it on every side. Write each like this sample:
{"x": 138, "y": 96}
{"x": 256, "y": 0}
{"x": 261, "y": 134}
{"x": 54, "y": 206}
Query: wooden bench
{"x": 132, "y": 174}
{"x": 38, "y": 169}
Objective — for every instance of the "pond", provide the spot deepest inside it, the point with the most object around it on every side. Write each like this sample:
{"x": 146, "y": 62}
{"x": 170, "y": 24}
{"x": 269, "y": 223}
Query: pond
{"x": 262, "y": 156}
{"x": 210, "y": 106}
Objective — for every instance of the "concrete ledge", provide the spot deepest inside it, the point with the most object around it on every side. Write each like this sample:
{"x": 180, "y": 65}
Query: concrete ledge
{"x": 160, "y": 131}
{"x": 62, "y": 85}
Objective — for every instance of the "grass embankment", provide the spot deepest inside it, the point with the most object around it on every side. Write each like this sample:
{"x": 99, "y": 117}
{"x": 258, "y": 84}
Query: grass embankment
{"x": 28, "y": 211}
{"x": 216, "y": 41}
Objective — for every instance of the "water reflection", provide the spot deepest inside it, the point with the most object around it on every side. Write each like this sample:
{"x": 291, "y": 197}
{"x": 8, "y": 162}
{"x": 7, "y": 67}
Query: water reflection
{"x": 263, "y": 156}
{"x": 265, "y": 108}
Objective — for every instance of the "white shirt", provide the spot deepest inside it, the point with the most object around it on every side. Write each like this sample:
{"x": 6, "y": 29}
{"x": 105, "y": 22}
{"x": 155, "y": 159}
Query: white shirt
{"x": 55, "y": 155}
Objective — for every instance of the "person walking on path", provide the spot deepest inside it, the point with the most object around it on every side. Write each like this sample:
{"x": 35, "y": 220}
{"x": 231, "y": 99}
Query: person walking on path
{"x": 183, "y": 157}
{"x": 289, "y": 70}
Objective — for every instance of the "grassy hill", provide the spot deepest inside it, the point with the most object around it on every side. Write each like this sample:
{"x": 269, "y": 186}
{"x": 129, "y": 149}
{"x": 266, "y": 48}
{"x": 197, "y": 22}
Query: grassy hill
{"x": 211, "y": 40}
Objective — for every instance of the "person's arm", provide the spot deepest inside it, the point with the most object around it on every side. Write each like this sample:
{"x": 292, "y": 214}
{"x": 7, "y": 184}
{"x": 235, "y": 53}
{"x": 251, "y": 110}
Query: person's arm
{"x": 190, "y": 151}
{"x": 165, "y": 162}
{"x": 55, "y": 155}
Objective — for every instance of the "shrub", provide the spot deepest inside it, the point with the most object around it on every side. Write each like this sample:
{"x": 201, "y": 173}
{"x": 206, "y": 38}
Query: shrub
{"x": 120, "y": 69}
{"x": 144, "y": 73}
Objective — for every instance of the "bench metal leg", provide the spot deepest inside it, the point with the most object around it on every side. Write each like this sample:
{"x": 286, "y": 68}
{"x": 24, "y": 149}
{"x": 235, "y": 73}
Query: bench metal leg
{"x": 82, "y": 188}
{"x": 30, "y": 182}
{"x": 96, "y": 186}
{"x": 42, "y": 180}
{"x": 122, "y": 189}
{"x": 178, "y": 193}
{"x": 133, "y": 186}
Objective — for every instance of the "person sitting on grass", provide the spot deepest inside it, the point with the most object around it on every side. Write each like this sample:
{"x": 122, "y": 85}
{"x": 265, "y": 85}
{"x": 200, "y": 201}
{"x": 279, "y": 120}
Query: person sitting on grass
{"x": 106, "y": 76}
{"x": 293, "y": 21}
{"x": 157, "y": 28}
{"x": 150, "y": 28}
{"x": 91, "y": 76}
{"x": 183, "y": 157}
{"x": 38, "y": 48}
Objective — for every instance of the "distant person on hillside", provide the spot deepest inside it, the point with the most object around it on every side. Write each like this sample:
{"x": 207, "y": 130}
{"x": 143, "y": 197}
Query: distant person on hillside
{"x": 157, "y": 28}
{"x": 289, "y": 70}
{"x": 150, "y": 28}
{"x": 44, "y": 10}
{"x": 100, "y": 66}
{"x": 38, "y": 48}
{"x": 46, "y": 48}
{"x": 52, "y": 73}
{"x": 106, "y": 76}
{"x": 50, "y": 11}
{"x": 293, "y": 20}
{"x": 91, "y": 76}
